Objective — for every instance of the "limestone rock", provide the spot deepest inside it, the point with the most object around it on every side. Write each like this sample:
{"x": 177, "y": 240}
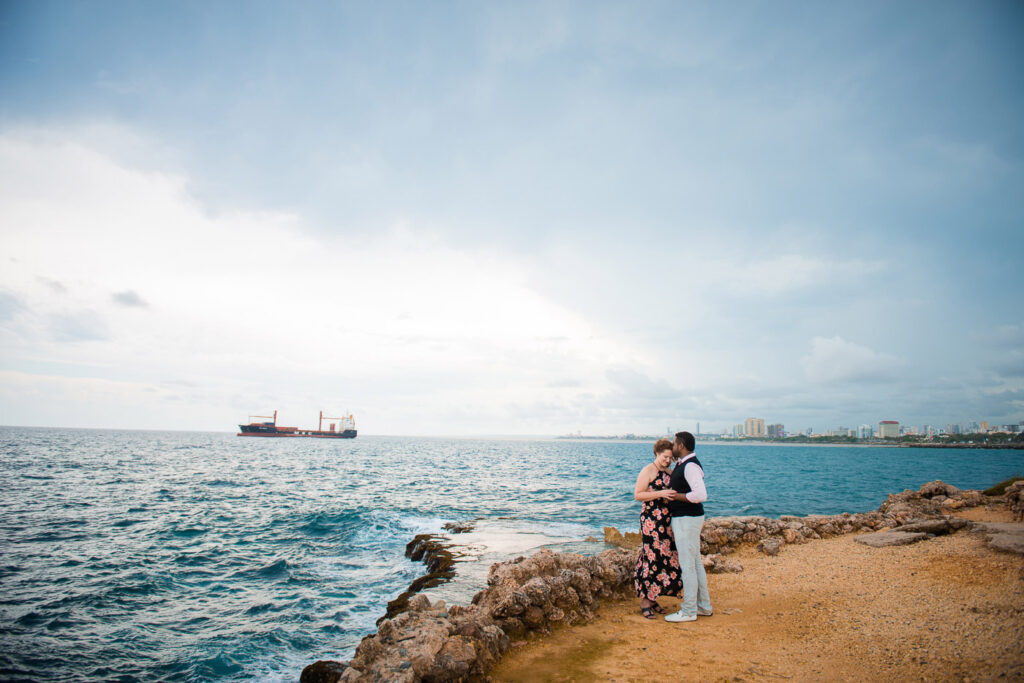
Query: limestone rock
{"x": 613, "y": 536}
{"x": 882, "y": 539}
{"x": 1015, "y": 499}
{"x": 1005, "y": 536}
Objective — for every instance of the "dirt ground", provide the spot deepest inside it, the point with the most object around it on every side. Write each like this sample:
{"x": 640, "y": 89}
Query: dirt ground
{"x": 945, "y": 609}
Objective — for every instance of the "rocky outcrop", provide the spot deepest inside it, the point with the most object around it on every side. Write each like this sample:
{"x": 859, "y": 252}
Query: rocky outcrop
{"x": 1015, "y": 499}
{"x": 613, "y": 536}
{"x": 420, "y": 641}
{"x": 430, "y": 642}
{"x": 884, "y": 539}
{"x": 923, "y": 511}
{"x": 433, "y": 551}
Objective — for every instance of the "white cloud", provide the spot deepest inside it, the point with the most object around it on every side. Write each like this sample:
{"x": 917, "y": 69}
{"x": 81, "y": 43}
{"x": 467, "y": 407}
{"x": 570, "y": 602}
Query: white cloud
{"x": 837, "y": 360}
{"x": 250, "y": 303}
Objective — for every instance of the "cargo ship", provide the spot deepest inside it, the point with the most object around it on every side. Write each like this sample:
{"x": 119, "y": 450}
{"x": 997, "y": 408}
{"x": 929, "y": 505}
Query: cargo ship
{"x": 337, "y": 428}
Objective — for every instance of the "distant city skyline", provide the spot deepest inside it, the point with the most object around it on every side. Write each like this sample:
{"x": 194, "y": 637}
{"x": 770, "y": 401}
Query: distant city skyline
{"x": 510, "y": 218}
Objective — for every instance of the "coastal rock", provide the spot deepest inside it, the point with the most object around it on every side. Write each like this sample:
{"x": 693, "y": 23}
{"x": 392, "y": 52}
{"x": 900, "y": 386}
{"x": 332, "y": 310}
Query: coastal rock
{"x": 1015, "y": 499}
{"x": 716, "y": 564}
{"x": 613, "y": 536}
{"x": 423, "y": 641}
{"x": 937, "y": 527}
{"x": 882, "y": 539}
{"x": 937, "y": 488}
{"x": 324, "y": 671}
{"x": 1005, "y": 536}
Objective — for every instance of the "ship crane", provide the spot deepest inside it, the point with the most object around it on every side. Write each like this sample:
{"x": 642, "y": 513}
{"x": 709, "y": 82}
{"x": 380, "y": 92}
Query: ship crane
{"x": 265, "y": 417}
{"x": 345, "y": 419}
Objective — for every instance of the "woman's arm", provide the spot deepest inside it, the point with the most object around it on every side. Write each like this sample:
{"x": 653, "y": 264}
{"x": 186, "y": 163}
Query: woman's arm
{"x": 642, "y": 491}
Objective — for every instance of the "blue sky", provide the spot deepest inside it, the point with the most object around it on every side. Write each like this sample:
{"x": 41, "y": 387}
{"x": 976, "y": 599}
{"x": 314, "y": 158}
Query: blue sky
{"x": 486, "y": 218}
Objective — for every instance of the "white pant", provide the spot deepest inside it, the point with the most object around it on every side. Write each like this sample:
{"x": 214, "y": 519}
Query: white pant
{"x": 686, "y": 531}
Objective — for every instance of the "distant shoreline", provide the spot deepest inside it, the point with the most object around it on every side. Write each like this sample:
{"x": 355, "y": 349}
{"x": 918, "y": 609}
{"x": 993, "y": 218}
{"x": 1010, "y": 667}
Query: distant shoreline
{"x": 844, "y": 444}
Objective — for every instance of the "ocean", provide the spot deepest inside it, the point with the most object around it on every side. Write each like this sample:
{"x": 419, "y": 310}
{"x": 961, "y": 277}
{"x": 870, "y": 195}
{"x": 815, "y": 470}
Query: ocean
{"x": 177, "y": 556}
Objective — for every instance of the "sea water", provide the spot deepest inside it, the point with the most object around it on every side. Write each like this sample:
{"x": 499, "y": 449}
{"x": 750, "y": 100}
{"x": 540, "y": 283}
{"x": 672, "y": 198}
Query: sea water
{"x": 198, "y": 556}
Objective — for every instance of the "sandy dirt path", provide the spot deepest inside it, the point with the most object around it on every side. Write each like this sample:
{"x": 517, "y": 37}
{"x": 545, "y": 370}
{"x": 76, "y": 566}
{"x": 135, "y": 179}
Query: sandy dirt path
{"x": 945, "y": 609}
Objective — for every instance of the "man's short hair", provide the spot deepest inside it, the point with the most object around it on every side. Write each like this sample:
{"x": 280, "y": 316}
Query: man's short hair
{"x": 662, "y": 445}
{"x": 686, "y": 440}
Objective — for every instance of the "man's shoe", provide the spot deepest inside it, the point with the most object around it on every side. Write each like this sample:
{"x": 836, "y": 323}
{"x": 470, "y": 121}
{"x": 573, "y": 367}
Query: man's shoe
{"x": 679, "y": 616}
{"x": 701, "y": 612}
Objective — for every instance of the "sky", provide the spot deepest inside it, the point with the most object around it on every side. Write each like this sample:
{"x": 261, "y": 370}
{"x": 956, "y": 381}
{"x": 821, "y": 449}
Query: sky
{"x": 511, "y": 218}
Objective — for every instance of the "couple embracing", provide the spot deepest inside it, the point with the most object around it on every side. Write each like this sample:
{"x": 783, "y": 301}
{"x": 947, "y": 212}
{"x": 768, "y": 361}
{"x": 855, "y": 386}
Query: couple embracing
{"x": 670, "y": 522}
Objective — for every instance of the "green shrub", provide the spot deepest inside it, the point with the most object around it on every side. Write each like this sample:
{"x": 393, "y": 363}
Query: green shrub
{"x": 1000, "y": 488}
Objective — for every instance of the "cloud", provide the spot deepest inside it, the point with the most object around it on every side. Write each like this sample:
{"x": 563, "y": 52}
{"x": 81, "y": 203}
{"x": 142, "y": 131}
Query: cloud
{"x": 53, "y": 285}
{"x": 129, "y": 298}
{"x": 78, "y": 327}
{"x": 834, "y": 360}
{"x": 257, "y": 305}
{"x": 10, "y": 305}
{"x": 773, "y": 277}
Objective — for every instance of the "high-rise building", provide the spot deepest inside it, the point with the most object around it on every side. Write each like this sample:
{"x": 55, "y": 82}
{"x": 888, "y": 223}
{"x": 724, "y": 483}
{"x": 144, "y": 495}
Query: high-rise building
{"x": 738, "y": 431}
{"x": 984, "y": 426}
{"x": 889, "y": 429}
{"x": 865, "y": 432}
{"x": 776, "y": 431}
{"x": 754, "y": 426}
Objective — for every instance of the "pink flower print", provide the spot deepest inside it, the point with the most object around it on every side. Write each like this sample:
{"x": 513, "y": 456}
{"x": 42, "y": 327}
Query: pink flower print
{"x": 648, "y": 526}
{"x": 650, "y": 553}
{"x": 654, "y": 592}
{"x": 674, "y": 560}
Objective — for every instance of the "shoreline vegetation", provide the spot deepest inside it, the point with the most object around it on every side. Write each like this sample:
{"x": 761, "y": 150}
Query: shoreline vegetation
{"x": 536, "y": 604}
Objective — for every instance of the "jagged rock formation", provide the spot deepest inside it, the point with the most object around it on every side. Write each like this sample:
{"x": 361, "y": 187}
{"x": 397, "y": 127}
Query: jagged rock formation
{"x": 1015, "y": 499}
{"x": 524, "y": 596}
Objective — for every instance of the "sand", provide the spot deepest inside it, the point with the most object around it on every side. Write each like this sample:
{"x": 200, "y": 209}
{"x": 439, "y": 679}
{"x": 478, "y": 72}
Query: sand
{"x": 944, "y": 609}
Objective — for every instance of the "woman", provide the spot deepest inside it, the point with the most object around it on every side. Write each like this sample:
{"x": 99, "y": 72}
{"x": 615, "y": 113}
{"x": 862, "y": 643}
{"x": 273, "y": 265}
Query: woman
{"x": 657, "y": 567}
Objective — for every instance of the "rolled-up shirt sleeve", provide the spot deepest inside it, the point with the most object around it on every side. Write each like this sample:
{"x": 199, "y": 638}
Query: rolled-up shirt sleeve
{"x": 695, "y": 478}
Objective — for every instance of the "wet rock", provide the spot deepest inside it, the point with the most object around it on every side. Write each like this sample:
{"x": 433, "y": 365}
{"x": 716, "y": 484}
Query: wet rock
{"x": 459, "y": 527}
{"x": 324, "y": 671}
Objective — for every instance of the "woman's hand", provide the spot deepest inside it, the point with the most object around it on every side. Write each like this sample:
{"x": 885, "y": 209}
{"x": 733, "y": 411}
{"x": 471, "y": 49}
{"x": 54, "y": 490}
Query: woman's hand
{"x": 668, "y": 494}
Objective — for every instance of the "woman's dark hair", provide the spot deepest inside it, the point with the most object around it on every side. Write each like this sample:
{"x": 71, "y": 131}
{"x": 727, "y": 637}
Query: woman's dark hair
{"x": 686, "y": 440}
{"x": 662, "y": 445}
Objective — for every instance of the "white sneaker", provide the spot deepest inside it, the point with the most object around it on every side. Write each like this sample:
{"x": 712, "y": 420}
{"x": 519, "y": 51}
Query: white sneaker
{"x": 679, "y": 616}
{"x": 701, "y": 612}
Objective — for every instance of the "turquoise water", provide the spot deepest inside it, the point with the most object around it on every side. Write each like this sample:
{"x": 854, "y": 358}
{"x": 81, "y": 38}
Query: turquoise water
{"x": 194, "y": 556}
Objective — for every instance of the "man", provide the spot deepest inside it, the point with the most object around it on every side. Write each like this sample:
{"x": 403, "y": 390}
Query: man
{"x": 687, "y": 519}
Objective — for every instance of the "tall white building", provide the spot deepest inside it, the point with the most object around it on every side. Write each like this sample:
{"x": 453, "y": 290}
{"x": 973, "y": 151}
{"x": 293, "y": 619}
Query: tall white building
{"x": 889, "y": 429}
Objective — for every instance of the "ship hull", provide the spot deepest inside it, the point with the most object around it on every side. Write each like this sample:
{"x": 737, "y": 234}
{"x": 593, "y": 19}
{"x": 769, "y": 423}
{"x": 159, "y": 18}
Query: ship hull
{"x": 272, "y": 431}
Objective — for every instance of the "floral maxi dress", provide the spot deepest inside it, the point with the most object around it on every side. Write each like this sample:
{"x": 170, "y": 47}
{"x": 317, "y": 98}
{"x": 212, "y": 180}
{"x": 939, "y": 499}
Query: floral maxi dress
{"x": 657, "y": 567}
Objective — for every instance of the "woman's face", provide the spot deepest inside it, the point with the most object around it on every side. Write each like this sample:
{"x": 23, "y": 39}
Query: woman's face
{"x": 663, "y": 458}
